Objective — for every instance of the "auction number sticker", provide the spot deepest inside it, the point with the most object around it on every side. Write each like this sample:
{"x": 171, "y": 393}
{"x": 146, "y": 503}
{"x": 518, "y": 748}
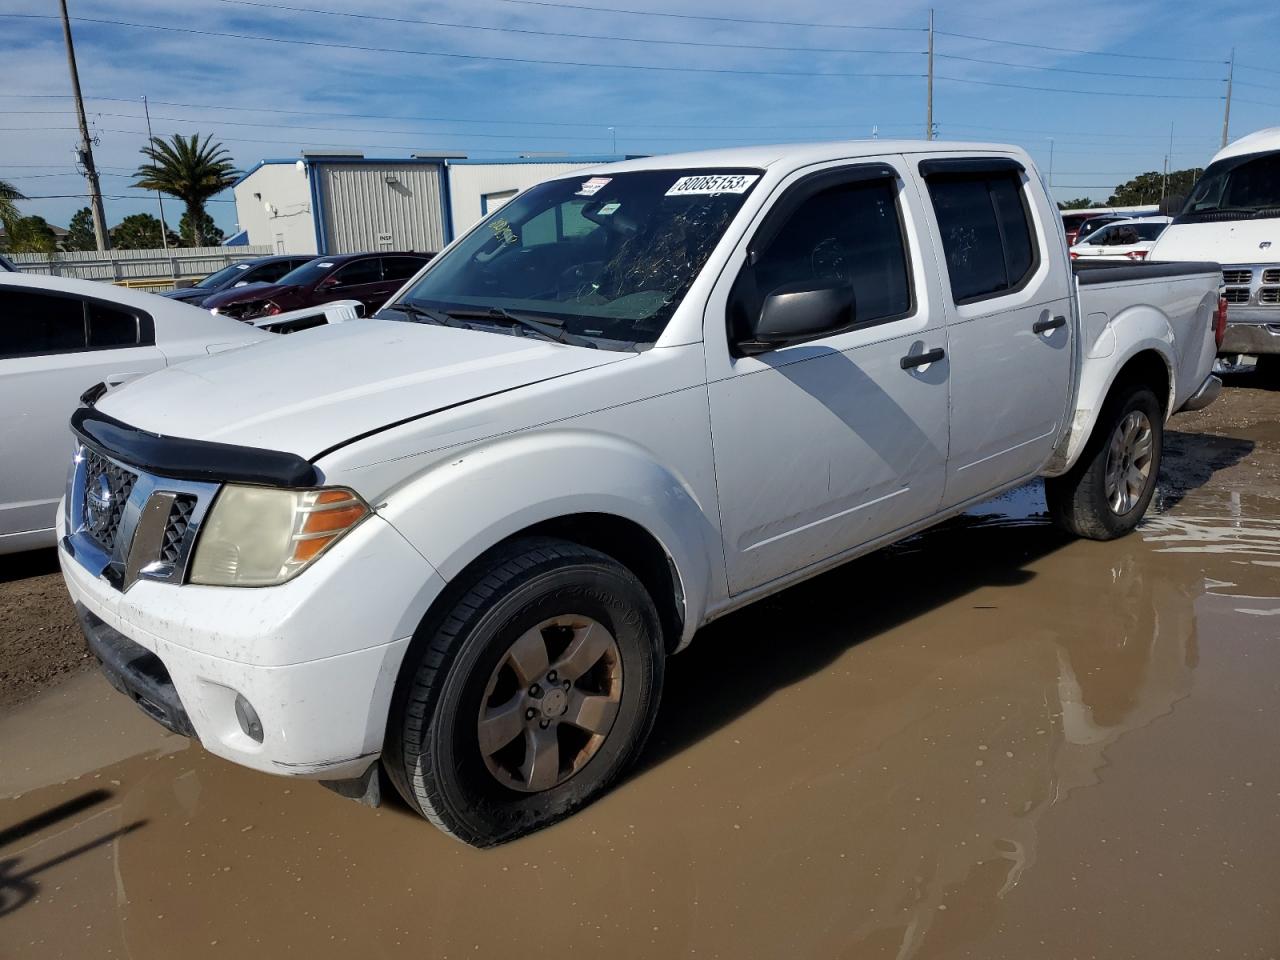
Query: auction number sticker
{"x": 593, "y": 186}
{"x": 712, "y": 183}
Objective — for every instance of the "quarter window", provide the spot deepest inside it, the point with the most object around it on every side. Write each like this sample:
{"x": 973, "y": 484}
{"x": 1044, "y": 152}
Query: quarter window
{"x": 986, "y": 232}
{"x": 850, "y": 232}
{"x": 109, "y": 327}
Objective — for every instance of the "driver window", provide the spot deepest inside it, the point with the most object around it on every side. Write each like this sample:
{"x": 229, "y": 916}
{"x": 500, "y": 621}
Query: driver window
{"x": 850, "y": 232}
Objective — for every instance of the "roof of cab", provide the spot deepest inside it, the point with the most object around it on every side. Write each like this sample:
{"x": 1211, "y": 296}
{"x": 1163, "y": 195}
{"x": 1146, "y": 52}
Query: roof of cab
{"x": 798, "y": 154}
{"x": 1260, "y": 141}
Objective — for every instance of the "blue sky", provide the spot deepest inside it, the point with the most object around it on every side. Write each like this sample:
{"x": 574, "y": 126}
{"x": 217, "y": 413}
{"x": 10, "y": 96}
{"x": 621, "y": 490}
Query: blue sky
{"x": 457, "y": 84}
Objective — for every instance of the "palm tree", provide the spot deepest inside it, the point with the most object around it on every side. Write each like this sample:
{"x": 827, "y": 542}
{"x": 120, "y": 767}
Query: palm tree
{"x": 189, "y": 170}
{"x": 8, "y": 210}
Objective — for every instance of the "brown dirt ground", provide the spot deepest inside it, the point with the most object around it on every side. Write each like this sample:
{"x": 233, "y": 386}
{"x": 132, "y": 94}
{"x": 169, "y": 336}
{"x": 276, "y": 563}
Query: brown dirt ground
{"x": 41, "y": 643}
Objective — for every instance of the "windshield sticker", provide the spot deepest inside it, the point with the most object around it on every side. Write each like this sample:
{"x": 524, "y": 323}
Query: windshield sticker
{"x": 593, "y": 186}
{"x": 502, "y": 230}
{"x": 608, "y": 209}
{"x": 712, "y": 184}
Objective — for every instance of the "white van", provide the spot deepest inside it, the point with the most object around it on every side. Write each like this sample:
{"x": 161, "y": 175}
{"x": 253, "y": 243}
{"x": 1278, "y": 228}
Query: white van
{"x": 1233, "y": 216}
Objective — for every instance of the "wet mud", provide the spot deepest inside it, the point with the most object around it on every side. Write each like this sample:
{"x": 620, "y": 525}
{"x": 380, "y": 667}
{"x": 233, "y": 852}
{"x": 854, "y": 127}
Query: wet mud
{"x": 989, "y": 741}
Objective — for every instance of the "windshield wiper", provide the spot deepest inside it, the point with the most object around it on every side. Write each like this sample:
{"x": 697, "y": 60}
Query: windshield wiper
{"x": 420, "y": 313}
{"x": 550, "y": 327}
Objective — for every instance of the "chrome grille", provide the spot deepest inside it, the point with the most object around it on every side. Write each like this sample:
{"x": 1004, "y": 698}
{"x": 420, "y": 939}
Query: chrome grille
{"x": 1269, "y": 295}
{"x": 105, "y": 493}
{"x": 175, "y": 528}
{"x": 1237, "y": 276}
{"x": 1271, "y": 276}
{"x": 1236, "y": 294}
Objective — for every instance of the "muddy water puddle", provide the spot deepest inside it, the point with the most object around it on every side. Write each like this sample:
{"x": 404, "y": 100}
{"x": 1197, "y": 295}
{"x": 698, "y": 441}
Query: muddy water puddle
{"x": 989, "y": 741}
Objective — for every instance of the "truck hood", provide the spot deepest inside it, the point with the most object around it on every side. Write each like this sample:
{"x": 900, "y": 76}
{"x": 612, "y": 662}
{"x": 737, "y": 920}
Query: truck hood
{"x": 1232, "y": 241}
{"x": 309, "y": 391}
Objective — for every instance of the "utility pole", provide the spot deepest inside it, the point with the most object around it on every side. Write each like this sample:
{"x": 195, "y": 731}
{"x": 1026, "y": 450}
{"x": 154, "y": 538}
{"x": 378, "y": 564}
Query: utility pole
{"x": 164, "y": 227}
{"x": 85, "y": 151}
{"x": 1226, "y": 117}
{"x": 1164, "y": 186}
{"x": 928, "y": 117}
{"x": 614, "y": 135}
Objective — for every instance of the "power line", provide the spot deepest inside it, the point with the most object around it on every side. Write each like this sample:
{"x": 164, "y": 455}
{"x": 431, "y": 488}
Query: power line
{"x": 1247, "y": 66}
{"x": 1089, "y": 73}
{"x": 1088, "y": 93}
{"x": 1090, "y": 53}
{"x": 328, "y": 44}
{"x": 710, "y": 17}
{"x": 554, "y": 33}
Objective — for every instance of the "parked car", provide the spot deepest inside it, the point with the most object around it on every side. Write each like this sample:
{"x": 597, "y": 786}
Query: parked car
{"x": 1071, "y": 223}
{"x": 457, "y": 541}
{"x": 367, "y": 277}
{"x": 1233, "y": 216}
{"x": 1122, "y": 240}
{"x": 58, "y": 338}
{"x": 238, "y": 275}
{"x": 1092, "y": 224}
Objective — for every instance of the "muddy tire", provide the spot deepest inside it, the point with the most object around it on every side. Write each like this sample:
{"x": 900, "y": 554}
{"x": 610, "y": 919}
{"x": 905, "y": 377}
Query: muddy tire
{"x": 1107, "y": 492}
{"x": 532, "y": 689}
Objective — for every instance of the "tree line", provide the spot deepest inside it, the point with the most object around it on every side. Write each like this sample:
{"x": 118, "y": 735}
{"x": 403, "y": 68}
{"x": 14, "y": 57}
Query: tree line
{"x": 1145, "y": 188}
{"x": 185, "y": 168}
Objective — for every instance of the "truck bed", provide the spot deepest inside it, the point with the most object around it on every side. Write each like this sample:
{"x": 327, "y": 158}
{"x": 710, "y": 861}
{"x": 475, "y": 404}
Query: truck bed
{"x": 1089, "y": 272}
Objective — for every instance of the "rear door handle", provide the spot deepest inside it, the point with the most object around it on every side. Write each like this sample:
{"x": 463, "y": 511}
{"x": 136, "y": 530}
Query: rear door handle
{"x": 1040, "y": 326}
{"x": 920, "y": 359}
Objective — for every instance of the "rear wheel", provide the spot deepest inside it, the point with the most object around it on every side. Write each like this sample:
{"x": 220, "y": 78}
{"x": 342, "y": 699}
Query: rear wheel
{"x": 1107, "y": 492}
{"x": 530, "y": 693}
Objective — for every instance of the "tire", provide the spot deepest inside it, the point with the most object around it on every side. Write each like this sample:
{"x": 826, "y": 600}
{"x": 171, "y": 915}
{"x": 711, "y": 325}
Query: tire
{"x": 477, "y": 657}
{"x": 1081, "y": 501}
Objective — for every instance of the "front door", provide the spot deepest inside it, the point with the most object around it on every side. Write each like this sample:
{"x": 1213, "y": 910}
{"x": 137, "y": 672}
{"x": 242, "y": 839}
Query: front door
{"x": 826, "y": 445}
{"x": 1008, "y": 322}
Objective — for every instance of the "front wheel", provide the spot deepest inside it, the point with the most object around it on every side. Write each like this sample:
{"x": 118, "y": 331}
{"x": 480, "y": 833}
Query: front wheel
{"x": 526, "y": 697}
{"x": 1106, "y": 493}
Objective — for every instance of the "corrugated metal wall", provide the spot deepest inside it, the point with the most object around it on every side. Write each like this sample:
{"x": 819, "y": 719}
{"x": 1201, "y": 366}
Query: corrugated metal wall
{"x": 363, "y": 211}
{"x": 469, "y": 182}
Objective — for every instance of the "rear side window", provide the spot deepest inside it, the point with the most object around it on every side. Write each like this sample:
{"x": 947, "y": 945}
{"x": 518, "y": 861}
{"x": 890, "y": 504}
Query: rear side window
{"x": 270, "y": 272}
{"x": 849, "y": 232}
{"x": 109, "y": 327}
{"x": 986, "y": 232}
{"x": 35, "y": 323}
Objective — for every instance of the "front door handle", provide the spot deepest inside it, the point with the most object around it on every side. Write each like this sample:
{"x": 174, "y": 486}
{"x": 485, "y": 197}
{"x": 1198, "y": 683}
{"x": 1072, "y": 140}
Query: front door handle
{"x": 920, "y": 359}
{"x": 1041, "y": 326}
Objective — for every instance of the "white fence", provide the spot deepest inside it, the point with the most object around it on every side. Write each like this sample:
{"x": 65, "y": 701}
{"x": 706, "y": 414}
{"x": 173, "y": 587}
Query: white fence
{"x": 137, "y": 268}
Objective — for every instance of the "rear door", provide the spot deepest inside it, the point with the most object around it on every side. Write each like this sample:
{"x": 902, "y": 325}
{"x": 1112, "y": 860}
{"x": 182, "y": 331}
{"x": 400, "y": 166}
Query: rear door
{"x": 53, "y": 347}
{"x": 358, "y": 280}
{"x": 826, "y": 445}
{"x": 1008, "y": 320}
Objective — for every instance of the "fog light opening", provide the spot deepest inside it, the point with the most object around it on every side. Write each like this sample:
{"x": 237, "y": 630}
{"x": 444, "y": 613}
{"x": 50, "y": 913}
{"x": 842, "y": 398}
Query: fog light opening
{"x": 248, "y": 717}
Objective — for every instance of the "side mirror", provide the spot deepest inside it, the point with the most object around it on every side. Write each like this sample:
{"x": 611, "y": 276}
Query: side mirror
{"x": 800, "y": 311}
{"x": 328, "y": 283}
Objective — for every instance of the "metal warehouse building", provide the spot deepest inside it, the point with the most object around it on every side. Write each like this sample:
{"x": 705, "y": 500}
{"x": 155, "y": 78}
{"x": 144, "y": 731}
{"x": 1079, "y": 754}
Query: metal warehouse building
{"x": 344, "y": 203}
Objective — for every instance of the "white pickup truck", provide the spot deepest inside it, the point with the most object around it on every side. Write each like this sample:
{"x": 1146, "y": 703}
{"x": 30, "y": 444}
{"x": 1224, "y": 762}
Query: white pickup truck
{"x": 457, "y": 541}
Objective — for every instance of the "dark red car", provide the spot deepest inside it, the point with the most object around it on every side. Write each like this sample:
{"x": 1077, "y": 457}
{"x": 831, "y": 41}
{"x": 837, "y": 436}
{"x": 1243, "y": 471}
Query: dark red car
{"x": 368, "y": 277}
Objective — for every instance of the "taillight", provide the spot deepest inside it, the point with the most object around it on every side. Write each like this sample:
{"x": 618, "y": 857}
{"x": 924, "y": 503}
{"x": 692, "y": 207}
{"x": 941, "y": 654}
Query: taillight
{"x": 1136, "y": 254}
{"x": 1220, "y": 321}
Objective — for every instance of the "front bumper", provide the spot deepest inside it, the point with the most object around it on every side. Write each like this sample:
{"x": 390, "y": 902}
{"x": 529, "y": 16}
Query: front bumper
{"x": 316, "y": 657}
{"x": 1251, "y": 338}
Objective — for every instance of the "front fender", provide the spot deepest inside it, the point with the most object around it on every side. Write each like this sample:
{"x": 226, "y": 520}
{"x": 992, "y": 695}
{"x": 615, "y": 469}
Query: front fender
{"x": 1110, "y": 346}
{"x": 463, "y": 505}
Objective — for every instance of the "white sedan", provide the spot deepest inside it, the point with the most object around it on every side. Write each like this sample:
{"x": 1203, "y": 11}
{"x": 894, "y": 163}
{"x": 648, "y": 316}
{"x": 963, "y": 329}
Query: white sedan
{"x": 58, "y": 338}
{"x": 1122, "y": 240}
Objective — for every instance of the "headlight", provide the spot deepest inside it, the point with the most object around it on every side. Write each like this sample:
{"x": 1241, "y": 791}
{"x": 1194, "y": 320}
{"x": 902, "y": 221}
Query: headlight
{"x": 261, "y": 536}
